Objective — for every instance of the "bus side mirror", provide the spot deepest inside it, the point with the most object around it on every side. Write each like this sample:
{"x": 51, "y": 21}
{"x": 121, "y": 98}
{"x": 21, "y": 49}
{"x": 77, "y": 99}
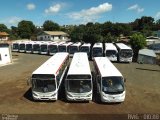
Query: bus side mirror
{"x": 29, "y": 81}
{"x": 124, "y": 79}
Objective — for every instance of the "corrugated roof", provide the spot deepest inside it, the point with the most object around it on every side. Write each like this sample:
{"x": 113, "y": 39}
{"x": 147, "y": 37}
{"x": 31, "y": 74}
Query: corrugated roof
{"x": 56, "y": 33}
{"x": 4, "y": 34}
{"x": 147, "y": 52}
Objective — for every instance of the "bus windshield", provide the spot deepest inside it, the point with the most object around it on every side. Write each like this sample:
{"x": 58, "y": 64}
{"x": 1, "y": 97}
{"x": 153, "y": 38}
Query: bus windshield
{"x": 97, "y": 52}
{"x": 73, "y": 49}
{"x": 29, "y": 47}
{"x": 53, "y": 48}
{"x": 84, "y": 49}
{"x": 22, "y": 47}
{"x": 110, "y": 53}
{"x": 15, "y": 46}
{"x": 44, "y": 85}
{"x": 43, "y": 48}
{"x": 112, "y": 85}
{"x": 62, "y": 48}
{"x": 79, "y": 86}
{"x": 36, "y": 47}
{"x": 126, "y": 53}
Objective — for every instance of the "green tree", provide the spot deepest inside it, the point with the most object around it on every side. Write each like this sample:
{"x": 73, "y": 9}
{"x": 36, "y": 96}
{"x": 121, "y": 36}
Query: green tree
{"x": 109, "y": 38}
{"x": 3, "y": 28}
{"x": 144, "y": 25}
{"x": 49, "y": 25}
{"x": 137, "y": 42}
{"x": 26, "y": 29}
{"x": 14, "y": 33}
{"x": 78, "y": 33}
{"x": 157, "y": 25}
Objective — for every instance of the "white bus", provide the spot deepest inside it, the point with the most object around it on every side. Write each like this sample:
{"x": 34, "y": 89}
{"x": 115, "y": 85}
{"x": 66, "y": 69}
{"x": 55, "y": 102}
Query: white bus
{"x": 22, "y": 47}
{"x": 78, "y": 82}
{"x": 97, "y": 50}
{"x": 125, "y": 53}
{"x": 111, "y": 51}
{"x": 53, "y": 47}
{"x": 36, "y": 47}
{"x": 15, "y": 46}
{"x": 86, "y": 47}
{"x": 44, "y": 48}
{"x": 46, "y": 80}
{"x": 29, "y": 47}
{"x": 74, "y": 48}
{"x": 110, "y": 82}
{"x": 64, "y": 47}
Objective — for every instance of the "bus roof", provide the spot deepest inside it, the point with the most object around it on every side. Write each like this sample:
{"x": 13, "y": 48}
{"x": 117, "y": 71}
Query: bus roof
{"x": 86, "y": 45}
{"x": 52, "y": 65}
{"x": 106, "y": 68}
{"x": 66, "y": 44}
{"x": 110, "y": 46}
{"x": 98, "y": 45}
{"x": 76, "y": 44}
{"x": 122, "y": 46}
{"x": 79, "y": 64}
{"x": 57, "y": 43}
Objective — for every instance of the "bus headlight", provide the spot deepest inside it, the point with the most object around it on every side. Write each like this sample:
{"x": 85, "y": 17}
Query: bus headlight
{"x": 123, "y": 95}
{"x": 69, "y": 95}
{"x": 89, "y": 95}
{"x": 53, "y": 95}
{"x": 34, "y": 94}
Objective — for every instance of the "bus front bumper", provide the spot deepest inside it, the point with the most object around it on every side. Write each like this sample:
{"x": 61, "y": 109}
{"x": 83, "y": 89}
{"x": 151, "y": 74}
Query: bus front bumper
{"x": 125, "y": 60}
{"x": 43, "y": 53}
{"x": 112, "y": 59}
{"x": 52, "y": 96}
{"x": 113, "y": 98}
{"x": 79, "y": 97}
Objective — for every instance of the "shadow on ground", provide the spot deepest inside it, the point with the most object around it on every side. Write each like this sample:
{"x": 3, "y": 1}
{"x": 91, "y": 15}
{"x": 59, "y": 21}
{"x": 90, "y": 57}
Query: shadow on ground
{"x": 148, "y": 69}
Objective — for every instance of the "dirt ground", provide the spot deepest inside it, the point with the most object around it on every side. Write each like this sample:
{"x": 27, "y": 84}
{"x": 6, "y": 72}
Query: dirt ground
{"x": 142, "y": 86}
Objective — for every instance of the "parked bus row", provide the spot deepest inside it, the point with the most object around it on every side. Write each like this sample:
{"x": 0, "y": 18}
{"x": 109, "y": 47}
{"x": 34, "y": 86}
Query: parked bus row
{"x": 79, "y": 80}
{"x": 115, "y": 52}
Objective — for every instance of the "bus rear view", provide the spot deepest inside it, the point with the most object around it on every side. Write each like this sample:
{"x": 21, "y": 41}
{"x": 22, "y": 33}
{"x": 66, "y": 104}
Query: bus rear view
{"x": 74, "y": 48}
{"x": 78, "y": 83}
{"x": 86, "y": 47}
{"x": 111, "y": 51}
{"x": 36, "y": 47}
{"x": 22, "y": 47}
{"x": 125, "y": 53}
{"x": 29, "y": 47}
{"x": 64, "y": 47}
{"x": 110, "y": 82}
{"x": 97, "y": 50}
{"x": 15, "y": 47}
{"x": 44, "y": 48}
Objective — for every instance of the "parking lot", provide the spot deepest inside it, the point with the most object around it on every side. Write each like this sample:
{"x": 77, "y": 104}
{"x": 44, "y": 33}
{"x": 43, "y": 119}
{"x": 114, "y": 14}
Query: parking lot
{"x": 142, "y": 86}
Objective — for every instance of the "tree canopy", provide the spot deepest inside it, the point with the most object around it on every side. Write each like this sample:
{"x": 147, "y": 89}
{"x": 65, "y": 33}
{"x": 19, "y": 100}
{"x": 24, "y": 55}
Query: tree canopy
{"x": 26, "y": 29}
{"x": 3, "y": 28}
{"x": 49, "y": 25}
{"x": 90, "y": 32}
{"x": 137, "y": 42}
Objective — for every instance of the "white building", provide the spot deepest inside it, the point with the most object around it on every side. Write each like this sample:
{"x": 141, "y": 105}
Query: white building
{"x": 4, "y": 36}
{"x": 5, "y": 54}
{"x": 53, "y": 36}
